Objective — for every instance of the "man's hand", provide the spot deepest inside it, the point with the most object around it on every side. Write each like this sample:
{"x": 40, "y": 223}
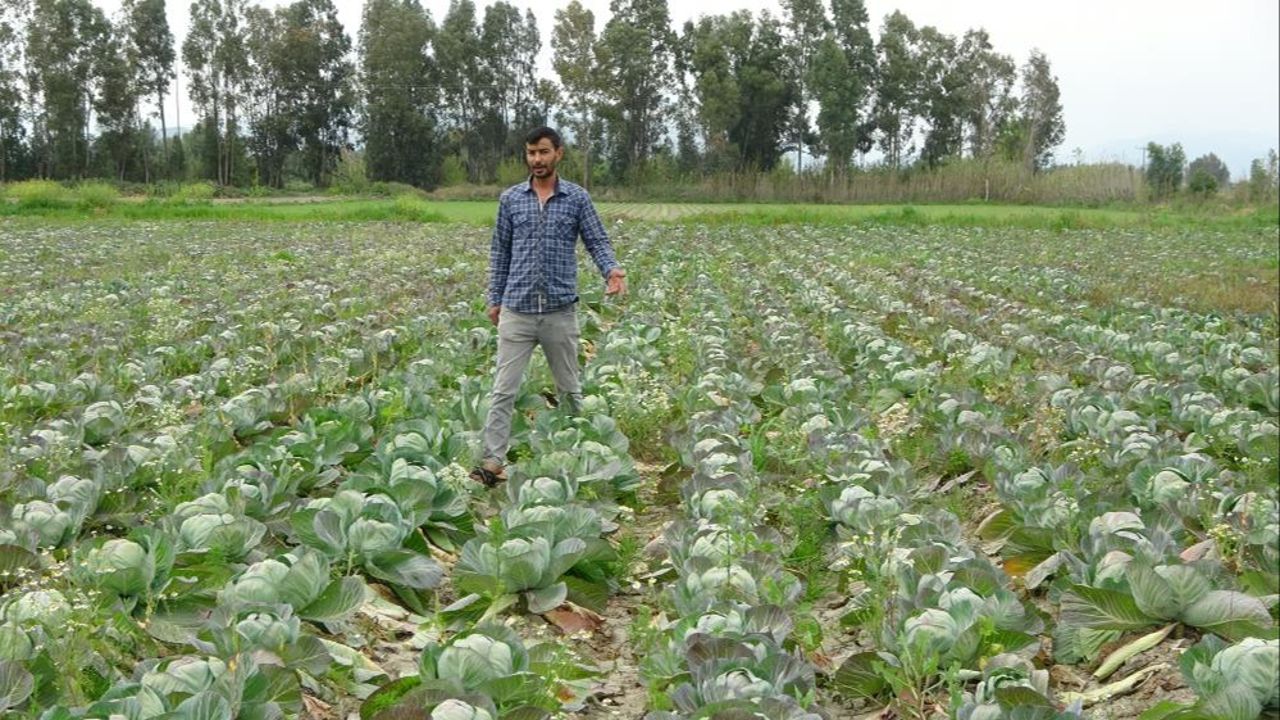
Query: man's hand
{"x": 617, "y": 283}
{"x": 494, "y": 312}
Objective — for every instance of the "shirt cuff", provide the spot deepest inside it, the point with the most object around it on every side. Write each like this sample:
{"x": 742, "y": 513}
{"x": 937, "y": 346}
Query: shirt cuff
{"x": 605, "y": 273}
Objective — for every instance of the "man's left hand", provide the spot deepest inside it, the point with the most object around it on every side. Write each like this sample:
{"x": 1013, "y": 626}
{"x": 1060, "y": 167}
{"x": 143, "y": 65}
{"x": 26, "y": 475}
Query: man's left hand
{"x": 617, "y": 283}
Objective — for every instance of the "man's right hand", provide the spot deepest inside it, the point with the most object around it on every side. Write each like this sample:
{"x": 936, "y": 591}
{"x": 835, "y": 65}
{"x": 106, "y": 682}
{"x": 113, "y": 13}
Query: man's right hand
{"x": 494, "y": 312}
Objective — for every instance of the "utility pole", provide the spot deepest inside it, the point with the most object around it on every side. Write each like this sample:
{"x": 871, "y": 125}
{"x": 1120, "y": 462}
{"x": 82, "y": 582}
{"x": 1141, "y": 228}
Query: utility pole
{"x": 1143, "y": 150}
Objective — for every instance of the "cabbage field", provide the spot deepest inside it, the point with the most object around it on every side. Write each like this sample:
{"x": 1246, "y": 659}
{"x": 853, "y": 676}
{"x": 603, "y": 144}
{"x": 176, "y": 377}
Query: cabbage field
{"x": 821, "y": 472}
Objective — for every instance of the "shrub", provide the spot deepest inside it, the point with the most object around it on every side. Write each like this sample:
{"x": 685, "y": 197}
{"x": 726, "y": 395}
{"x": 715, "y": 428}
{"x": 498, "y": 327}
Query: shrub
{"x": 350, "y": 178}
{"x": 39, "y": 194}
{"x": 96, "y": 195}
{"x": 452, "y": 172}
{"x": 200, "y": 193}
{"x": 408, "y": 206}
{"x": 397, "y": 189}
{"x": 1202, "y": 183}
{"x": 512, "y": 171}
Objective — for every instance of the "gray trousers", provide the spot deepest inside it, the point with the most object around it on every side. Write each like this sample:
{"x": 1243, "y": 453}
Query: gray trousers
{"x": 557, "y": 333}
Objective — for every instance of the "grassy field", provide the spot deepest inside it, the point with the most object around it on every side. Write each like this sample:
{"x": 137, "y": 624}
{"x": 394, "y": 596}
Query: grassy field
{"x": 415, "y": 209}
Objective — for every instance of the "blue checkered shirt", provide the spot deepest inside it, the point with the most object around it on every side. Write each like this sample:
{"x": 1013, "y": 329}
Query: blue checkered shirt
{"x": 532, "y": 265}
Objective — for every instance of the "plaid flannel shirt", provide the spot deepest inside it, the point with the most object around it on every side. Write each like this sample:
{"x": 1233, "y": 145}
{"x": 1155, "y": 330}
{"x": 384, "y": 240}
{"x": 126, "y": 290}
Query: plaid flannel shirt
{"x": 532, "y": 264}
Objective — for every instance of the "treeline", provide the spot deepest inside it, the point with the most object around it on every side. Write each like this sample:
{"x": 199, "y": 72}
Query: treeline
{"x": 279, "y": 94}
{"x": 1167, "y": 173}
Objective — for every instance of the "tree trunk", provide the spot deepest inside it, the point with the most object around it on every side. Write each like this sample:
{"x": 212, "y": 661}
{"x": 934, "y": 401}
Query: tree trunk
{"x": 146, "y": 151}
{"x": 164, "y": 136}
{"x": 230, "y": 144}
{"x": 1028, "y": 151}
{"x": 800, "y": 136}
{"x": 586, "y": 162}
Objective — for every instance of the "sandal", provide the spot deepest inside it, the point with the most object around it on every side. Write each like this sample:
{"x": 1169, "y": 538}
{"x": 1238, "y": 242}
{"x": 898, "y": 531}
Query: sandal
{"x": 487, "y": 477}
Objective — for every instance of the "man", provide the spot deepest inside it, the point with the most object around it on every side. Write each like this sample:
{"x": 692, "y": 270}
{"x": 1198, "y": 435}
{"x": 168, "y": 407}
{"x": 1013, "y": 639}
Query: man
{"x": 533, "y": 287}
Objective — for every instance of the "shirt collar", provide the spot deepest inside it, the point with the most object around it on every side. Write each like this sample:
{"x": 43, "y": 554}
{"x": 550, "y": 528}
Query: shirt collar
{"x": 557, "y": 190}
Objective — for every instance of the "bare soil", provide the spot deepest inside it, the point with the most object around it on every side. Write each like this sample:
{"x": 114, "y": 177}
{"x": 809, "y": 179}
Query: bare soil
{"x": 621, "y": 692}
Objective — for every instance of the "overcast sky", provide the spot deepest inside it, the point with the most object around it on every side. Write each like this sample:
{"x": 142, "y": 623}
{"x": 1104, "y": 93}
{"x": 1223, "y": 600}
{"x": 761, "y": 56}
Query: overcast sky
{"x": 1206, "y": 74}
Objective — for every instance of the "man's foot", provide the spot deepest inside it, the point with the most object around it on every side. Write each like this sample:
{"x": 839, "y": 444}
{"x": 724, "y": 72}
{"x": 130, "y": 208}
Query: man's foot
{"x": 489, "y": 473}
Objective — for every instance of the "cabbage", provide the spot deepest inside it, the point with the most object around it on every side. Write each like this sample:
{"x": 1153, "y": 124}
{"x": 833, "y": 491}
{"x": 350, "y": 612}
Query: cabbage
{"x": 268, "y": 631}
{"x": 543, "y": 491}
{"x": 121, "y": 566}
{"x": 44, "y": 607}
{"x": 858, "y": 508}
{"x": 741, "y": 684}
{"x": 184, "y": 675}
{"x": 716, "y": 545}
{"x": 78, "y": 495}
{"x": 934, "y": 631}
{"x": 50, "y": 525}
{"x": 717, "y": 502}
{"x": 734, "y": 578}
{"x": 594, "y": 405}
{"x": 719, "y": 624}
{"x": 260, "y": 583}
{"x": 15, "y": 644}
{"x": 1254, "y": 663}
{"x": 474, "y": 659}
{"x": 1168, "y": 486}
{"x": 367, "y": 536}
{"x": 102, "y": 421}
{"x": 1111, "y": 569}
{"x": 459, "y": 710}
{"x": 963, "y": 604}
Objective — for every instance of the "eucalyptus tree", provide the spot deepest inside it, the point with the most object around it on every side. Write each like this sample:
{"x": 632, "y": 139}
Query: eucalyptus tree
{"x": 708, "y": 50}
{"x": 150, "y": 51}
{"x": 1041, "y": 112}
{"x": 270, "y": 122}
{"x": 63, "y": 48}
{"x": 898, "y": 90}
{"x": 510, "y": 105}
{"x": 941, "y": 96}
{"x": 12, "y": 99}
{"x": 466, "y": 85}
{"x": 635, "y": 62}
{"x": 512, "y": 42}
{"x": 576, "y": 64}
{"x": 216, "y": 55}
{"x": 807, "y": 26}
{"x": 399, "y": 83}
{"x": 745, "y": 88}
{"x": 115, "y": 96}
{"x": 843, "y": 77}
{"x": 301, "y": 84}
{"x": 989, "y": 99}
{"x": 1164, "y": 169}
{"x": 769, "y": 93}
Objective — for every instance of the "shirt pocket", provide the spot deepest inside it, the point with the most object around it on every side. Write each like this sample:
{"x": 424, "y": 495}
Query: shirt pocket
{"x": 522, "y": 225}
{"x": 566, "y": 226}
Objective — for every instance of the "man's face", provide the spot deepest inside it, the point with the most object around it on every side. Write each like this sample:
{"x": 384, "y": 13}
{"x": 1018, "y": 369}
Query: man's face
{"x": 542, "y": 157}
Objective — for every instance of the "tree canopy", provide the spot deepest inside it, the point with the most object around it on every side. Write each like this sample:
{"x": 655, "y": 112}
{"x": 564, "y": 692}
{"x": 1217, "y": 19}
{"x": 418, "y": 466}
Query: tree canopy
{"x": 281, "y": 93}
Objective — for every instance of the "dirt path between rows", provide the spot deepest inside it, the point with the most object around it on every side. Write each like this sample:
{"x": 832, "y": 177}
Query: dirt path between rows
{"x": 621, "y": 693}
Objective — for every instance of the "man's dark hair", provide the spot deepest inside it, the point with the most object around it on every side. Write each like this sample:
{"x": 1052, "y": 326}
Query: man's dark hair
{"x": 543, "y": 131}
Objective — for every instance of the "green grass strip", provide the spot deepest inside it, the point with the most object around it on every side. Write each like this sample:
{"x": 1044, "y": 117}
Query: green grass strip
{"x": 482, "y": 213}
